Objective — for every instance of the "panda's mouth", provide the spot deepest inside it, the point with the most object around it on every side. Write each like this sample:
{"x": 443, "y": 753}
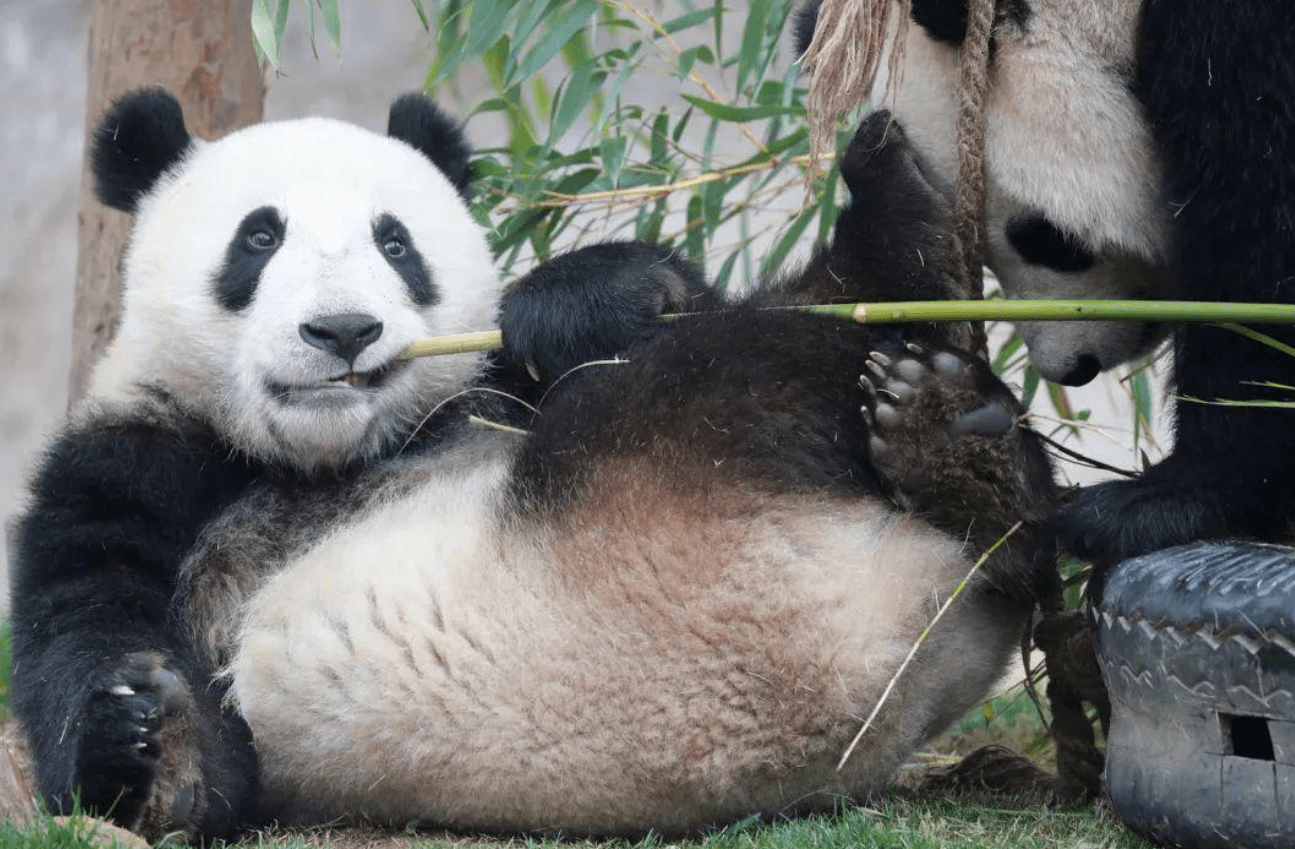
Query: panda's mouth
{"x": 344, "y": 385}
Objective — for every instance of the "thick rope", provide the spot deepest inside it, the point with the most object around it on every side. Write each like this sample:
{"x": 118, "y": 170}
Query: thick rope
{"x": 843, "y": 58}
{"x": 969, "y": 210}
{"x": 842, "y": 61}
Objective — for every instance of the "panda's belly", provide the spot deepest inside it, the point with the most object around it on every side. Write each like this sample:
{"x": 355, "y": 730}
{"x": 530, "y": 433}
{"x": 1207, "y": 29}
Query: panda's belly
{"x": 648, "y": 661}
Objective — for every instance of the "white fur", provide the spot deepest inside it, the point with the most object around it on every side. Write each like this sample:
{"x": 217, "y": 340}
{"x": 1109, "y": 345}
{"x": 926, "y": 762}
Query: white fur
{"x": 330, "y": 181}
{"x": 1065, "y": 138}
{"x": 657, "y": 662}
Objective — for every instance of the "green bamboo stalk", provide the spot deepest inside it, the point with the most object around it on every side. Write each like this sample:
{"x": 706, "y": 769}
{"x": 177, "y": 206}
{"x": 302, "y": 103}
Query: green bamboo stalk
{"x": 994, "y": 310}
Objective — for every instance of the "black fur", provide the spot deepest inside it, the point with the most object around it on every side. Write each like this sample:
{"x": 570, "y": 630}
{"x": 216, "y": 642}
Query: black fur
{"x": 943, "y": 20}
{"x": 1218, "y": 86}
{"x": 402, "y": 255}
{"x": 258, "y": 237}
{"x": 553, "y": 320}
{"x": 803, "y": 25}
{"x": 114, "y": 507}
{"x": 139, "y": 138}
{"x": 769, "y": 399}
{"x": 422, "y": 125}
{"x": 99, "y": 602}
{"x": 1040, "y": 242}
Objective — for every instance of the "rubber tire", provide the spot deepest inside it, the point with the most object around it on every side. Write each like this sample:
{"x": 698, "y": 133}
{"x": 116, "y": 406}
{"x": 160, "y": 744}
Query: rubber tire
{"x": 1197, "y": 648}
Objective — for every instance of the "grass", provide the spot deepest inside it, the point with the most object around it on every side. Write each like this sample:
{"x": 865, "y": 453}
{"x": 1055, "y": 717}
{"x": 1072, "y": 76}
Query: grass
{"x": 897, "y": 819}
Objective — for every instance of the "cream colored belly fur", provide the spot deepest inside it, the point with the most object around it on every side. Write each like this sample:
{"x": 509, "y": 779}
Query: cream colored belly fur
{"x": 655, "y": 660}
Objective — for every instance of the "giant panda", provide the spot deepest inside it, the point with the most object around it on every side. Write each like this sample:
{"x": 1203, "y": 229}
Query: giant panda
{"x": 271, "y": 571}
{"x": 1137, "y": 150}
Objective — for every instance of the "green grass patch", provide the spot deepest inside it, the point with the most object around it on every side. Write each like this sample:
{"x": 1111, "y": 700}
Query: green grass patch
{"x": 896, "y": 820}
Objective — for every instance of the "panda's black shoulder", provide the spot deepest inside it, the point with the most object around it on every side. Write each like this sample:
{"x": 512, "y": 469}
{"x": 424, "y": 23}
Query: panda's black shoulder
{"x": 1217, "y": 83}
{"x": 133, "y": 483}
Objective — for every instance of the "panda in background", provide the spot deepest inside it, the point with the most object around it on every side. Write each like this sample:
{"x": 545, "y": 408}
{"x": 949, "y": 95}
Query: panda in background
{"x": 270, "y": 570}
{"x": 1138, "y": 150}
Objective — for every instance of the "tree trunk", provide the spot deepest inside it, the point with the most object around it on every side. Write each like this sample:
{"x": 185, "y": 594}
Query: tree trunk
{"x": 202, "y": 51}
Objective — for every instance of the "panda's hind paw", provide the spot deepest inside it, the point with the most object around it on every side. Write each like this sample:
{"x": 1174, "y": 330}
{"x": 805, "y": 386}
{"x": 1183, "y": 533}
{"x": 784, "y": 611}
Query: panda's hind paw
{"x": 919, "y": 405}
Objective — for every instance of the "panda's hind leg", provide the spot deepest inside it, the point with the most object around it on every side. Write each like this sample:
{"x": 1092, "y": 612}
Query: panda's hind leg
{"x": 893, "y": 241}
{"x": 948, "y": 442}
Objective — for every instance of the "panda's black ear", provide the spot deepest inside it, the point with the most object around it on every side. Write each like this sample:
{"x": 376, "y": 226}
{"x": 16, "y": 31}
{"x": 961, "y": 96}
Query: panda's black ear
{"x": 943, "y": 20}
{"x": 138, "y": 139}
{"x": 805, "y": 21}
{"x": 420, "y": 123}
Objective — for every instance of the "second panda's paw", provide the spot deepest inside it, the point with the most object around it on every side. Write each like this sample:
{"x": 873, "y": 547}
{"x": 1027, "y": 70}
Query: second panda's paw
{"x": 137, "y": 759}
{"x": 920, "y": 405}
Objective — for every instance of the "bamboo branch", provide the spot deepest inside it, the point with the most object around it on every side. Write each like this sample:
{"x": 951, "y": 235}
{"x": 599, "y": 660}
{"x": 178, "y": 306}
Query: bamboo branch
{"x": 995, "y": 310}
{"x": 636, "y": 193}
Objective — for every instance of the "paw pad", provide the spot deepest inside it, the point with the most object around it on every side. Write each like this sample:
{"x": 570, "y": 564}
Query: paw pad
{"x": 919, "y": 402}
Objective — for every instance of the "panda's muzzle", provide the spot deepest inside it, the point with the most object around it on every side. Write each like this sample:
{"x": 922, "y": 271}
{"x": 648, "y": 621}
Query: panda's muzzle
{"x": 344, "y": 334}
{"x": 347, "y": 383}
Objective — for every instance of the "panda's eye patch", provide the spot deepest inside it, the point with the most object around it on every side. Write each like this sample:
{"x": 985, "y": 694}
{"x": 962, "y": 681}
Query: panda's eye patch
{"x": 1040, "y": 242}
{"x": 397, "y": 246}
{"x": 256, "y": 239}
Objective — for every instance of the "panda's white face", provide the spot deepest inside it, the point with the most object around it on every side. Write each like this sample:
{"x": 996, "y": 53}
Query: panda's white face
{"x": 275, "y": 276}
{"x": 1073, "y": 205}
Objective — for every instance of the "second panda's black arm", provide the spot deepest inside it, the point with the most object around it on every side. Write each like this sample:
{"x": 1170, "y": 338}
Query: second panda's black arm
{"x": 119, "y": 710}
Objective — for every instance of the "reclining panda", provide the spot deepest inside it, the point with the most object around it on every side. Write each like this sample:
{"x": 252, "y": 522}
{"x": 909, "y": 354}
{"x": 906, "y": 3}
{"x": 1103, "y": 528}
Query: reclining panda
{"x": 270, "y": 570}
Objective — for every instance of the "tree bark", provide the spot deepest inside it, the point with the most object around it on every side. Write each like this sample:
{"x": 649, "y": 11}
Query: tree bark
{"x": 202, "y": 51}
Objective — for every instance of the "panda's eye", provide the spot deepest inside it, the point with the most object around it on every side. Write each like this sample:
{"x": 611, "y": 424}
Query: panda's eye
{"x": 394, "y": 247}
{"x": 262, "y": 240}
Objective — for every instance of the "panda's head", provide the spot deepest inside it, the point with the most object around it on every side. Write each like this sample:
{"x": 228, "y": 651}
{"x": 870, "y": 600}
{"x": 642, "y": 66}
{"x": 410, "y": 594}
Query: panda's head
{"x": 1073, "y": 206}
{"x": 275, "y": 275}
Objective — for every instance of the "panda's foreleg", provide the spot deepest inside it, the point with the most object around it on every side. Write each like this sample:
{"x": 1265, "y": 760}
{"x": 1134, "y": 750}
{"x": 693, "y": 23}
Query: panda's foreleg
{"x": 121, "y": 715}
{"x": 1228, "y": 179}
{"x": 594, "y": 303}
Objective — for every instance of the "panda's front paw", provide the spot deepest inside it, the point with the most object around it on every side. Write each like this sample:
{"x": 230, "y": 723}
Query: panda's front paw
{"x": 919, "y": 405}
{"x": 1113, "y": 521}
{"x": 595, "y": 303}
{"x": 136, "y": 759}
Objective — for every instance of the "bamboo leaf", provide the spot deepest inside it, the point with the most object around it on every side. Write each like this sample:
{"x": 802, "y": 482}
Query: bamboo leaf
{"x": 1251, "y": 333}
{"x": 690, "y": 56}
{"x": 752, "y": 40}
{"x": 264, "y": 32}
{"x": 1029, "y": 386}
{"x": 738, "y": 114}
{"x": 774, "y": 259}
{"x": 422, "y": 14}
{"x": 689, "y": 20}
{"x": 569, "y": 24}
{"x": 332, "y": 22}
{"x": 694, "y": 243}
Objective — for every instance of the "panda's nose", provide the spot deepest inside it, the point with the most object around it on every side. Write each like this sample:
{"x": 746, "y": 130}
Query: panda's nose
{"x": 345, "y": 334}
{"x": 1085, "y": 370}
